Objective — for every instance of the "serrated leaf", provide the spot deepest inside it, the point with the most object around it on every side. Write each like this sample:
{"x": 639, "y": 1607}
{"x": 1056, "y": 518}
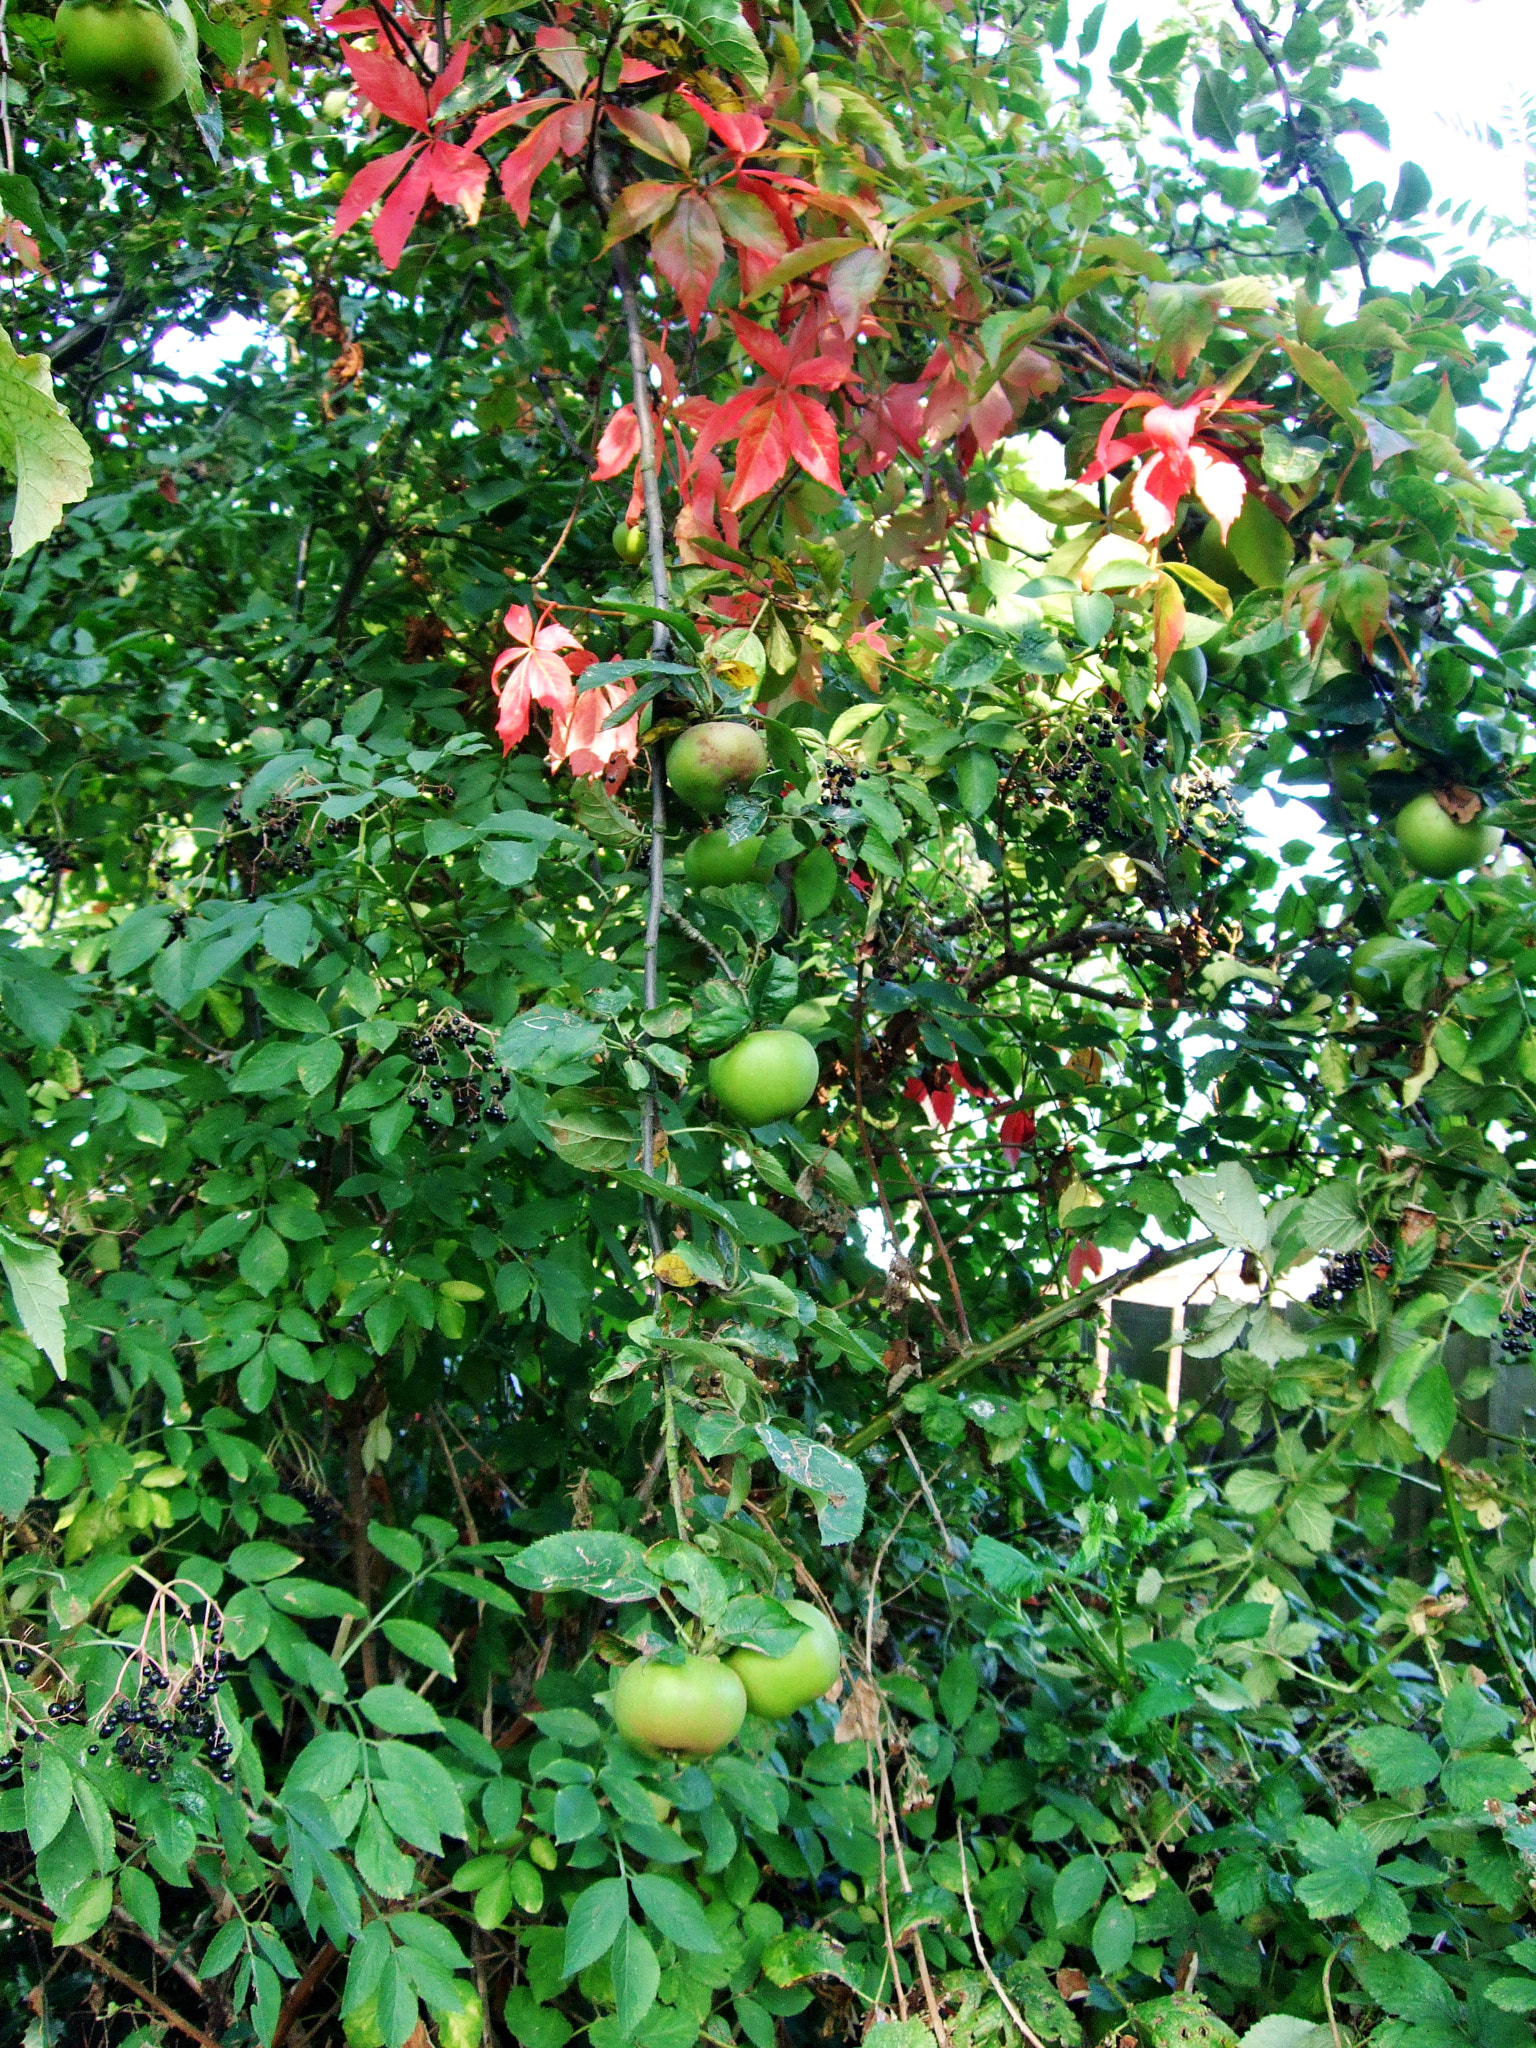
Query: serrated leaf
{"x": 40, "y": 448}
{"x": 39, "y": 1291}
{"x": 1228, "y": 1204}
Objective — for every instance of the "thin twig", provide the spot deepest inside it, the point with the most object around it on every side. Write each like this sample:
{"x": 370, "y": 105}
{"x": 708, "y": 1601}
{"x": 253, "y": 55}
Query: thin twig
{"x": 982, "y": 1957}
{"x": 565, "y": 533}
{"x": 956, "y": 1298}
{"x": 458, "y": 1485}
{"x": 1262, "y": 39}
{"x": 927, "y": 1492}
{"x": 692, "y": 931}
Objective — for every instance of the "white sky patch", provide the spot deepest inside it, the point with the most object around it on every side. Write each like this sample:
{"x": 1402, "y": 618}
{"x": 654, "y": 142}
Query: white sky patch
{"x": 186, "y": 354}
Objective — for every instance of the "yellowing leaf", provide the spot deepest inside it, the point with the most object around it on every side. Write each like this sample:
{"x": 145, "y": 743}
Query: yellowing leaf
{"x": 1088, "y": 1063}
{"x": 40, "y": 448}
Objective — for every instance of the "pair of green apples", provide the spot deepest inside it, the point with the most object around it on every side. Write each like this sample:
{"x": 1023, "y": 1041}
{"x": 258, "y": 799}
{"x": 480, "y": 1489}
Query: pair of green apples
{"x": 767, "y": 1074}
{"x": 698, "y": 1706}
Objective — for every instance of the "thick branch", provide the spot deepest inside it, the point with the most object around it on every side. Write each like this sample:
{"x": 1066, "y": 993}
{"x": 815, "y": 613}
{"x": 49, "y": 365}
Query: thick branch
{"x": 1070, "y": 1310}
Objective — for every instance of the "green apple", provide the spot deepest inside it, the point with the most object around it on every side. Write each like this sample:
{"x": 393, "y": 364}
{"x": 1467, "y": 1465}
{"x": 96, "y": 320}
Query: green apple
{"x": 712, "y": 861}
{"x": 123, "y": 53}
{"x": 777, "y": 1686}
{"x": 1431, "y": 841}
{"x": 768, "y": 1075}
{"x": 708, "y": 761}
{"x": 629, "y": 542}
{"x": 687, "y": 1709}
{"x": 1378, "y": 967}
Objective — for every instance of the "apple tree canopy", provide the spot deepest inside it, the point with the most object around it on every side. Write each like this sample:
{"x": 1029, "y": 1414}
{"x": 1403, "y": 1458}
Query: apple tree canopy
{"x": 1046, "y": 456}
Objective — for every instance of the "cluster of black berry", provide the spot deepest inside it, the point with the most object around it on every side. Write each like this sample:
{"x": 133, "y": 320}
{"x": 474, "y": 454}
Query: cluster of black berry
{"x": 282, "y": 842}
{"x": 53, "y": 856}
{"x": 838, "y": 780}
{"x": 1199, "y": 791}
{"x": 147, "y": 1732}
{"x": 1504, "y": 1226}
{"x": 21, "y": 1757}
{"x": 1515, "y": 1328}
{"x": 1083, "y": 780}
{"x": 453, "y": 1034}
{"x": 314, "y": 1499}
{"x": 68, "y": 1709}
{"x": 1343, "y": 1272}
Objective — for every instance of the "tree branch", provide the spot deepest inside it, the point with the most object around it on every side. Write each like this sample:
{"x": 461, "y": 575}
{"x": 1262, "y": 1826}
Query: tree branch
{"x": 99, "y": 1962}
{"x": 1071, "y": 1310}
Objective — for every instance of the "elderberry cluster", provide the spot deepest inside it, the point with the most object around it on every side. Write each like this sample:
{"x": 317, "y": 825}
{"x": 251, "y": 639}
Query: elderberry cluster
{"x": 146, "y": 1733}
{"x": 838, "y": 781}
{"x": 53, "y": 856}
{"x": 68, "y": 1709}
{"x": 429, "y": 1048}
{"x": 1504, "y": 1226}
{"x": 1515, "y": 1328}
{"x": 279, "y": 849}
{"x": 323, "y": 1506}
{"x": 1079, "y": 777}
{"x": 1201, "y": 790}
{"x": 1343, "y": 1272}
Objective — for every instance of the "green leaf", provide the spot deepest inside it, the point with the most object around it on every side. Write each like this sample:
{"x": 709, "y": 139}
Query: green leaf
{"x": 1468, "y": 1720}
{"x": 1396, "y": 1758}
{"x": 1228, "y": 1204}
{"x": 512, "y": 863}
{"x": 1430, "y": 1408}
{"x": 141, "y": 1899}
{"x": 636, "y": 1977}
{"x": 676, "y": 1913}
{"x": 86, "y": 1907}
{"x": 1078, "y": 1888}
{"x": 1114, "y": 1936}
{"x": 720, "y": 30}
{"x": 264, "y": 1260}
{"x": 48, "y": 1795}
{"x": 1382, "y": 1916}
{"x": 421, "y": 1644}
{"x": 800, "y": 1954}
{"x": 402, "y": 1549}
{"x": 399, "y": 1711}
{"x": 1469, "y": 1782}
{"x": 41, "y": 450}
{"x": 598, "y": 1562}
{"x": 256, "y": 1563}
{"x": 39, "y": 1291}
{"x": 598, "y": 1912}
{"x": 544, "y": 1039}
{"x": 1216, "y": 115}
{"x": 834, "y": 1482}
{"x": 815, "y": 882}
{"x": 1325, "y": 378}
{"x": 1414, "y": 192}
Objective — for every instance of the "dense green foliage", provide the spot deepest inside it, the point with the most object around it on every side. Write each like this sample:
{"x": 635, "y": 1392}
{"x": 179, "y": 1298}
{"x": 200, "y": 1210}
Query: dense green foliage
{"x": 432, "y": 1349}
